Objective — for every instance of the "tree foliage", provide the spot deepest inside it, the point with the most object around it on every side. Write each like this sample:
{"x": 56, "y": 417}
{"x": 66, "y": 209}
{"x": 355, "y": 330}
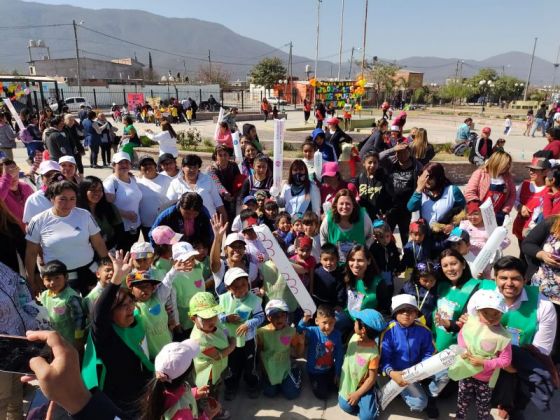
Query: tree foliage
{"x": 455, "y": 90}
{"x": 382, "y": 76}
{"x": 214, "y": 74}
{"x": 420, "y": 95}
{"x": 268, "y": 71}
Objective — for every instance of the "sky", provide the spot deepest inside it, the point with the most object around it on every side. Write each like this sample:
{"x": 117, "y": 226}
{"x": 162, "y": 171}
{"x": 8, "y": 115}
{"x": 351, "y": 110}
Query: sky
{"x": 475, "y": 29}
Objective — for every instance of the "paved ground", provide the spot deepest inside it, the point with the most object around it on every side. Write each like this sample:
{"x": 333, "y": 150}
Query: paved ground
{"x": 441, "y": 129}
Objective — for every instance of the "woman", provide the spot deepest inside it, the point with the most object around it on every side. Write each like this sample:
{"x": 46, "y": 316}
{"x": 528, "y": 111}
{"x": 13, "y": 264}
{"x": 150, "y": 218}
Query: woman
{"x": 436, "y": 199}
{"x": 129, "y": 139}
{"x": 92, "y": 198}
{"x": 75, "y": 135}
{"x": 300, "y": 194}
{"x": 13, "y": 192}
{"x": 346, "y": 224}
{"x": 122, "y": 190}
{"x": 37, "y": 202}
{"x": 259, "y": 179}
{"x": 195, "y": 181}
{"x": 114, "y": 345}
{"x": 370, "y": 186}
{"x": 12, "y": 238}
{"x": 188, "y": 217}
{"x": 69, "y": 168}
{"x": 68, "y": 234}
{"x": 265, "y": 109}
{"x": 422, "y": 150}
{"x": 494, "y": 180}
{"x": 154, "y": 189}
{"x": 92, "y": 136}
{"x": 167, "y": 139}
{"x": 227, "y": 178}
{"x": 107, "y": 138}
{"x": 250, "y": 152}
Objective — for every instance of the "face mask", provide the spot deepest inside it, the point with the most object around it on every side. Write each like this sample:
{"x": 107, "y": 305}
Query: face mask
{"x": 299, "y": 179}
{"x": 332, "y": 131}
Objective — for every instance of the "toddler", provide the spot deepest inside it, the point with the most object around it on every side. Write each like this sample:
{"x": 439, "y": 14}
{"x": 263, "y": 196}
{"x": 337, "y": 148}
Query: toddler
{"x": 164, "y": 238}
{"x": 311, "y": 223}
{"x": 304, "y": 259}
{"x": 460, "y": 241}
{"x": 420, "y": 286}
{"x": 283, "y": 230}
{"x": 104, "y": 273}
{"x": 201, "y": 245}
{"x": 417, "y": 249}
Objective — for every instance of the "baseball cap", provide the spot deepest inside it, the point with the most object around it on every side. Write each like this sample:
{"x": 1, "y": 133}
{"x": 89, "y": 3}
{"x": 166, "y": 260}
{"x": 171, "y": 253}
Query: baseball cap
{"x": 486, "y": 130}
{"x": 395, "y": 128}
{"x": 204, "y": 305}
{"x": 317, "y": 132}
{"x": 371, "y": 318}
{"x": 330, "y": 168}
{"x": 249, "y": 223}
{"x": 473, "y": 206}
{"x": 233, "y": 274}
{"x": 146, "y": 158}
{"x": 276, "y": 305}
{"x": 261, "y": 194}
{"x": 164, "y": 235}
{"x": 182, "y": 251}
{"x": 69, "y": 159}
{"x": 47, "y": 166}
{"x": 249, "y": 198}
{"x": 458, "y": 234}
{"x": 399, "y": 302}
{"x": 120, "y": 156}
{"x": 141, "y": 276}
{"x": 234, "y": 237}
{"x": 141, "y": 250}
{"x": 165, "y": 157}
{"x": 491, "y": 299}
{"x": 333, "y": 121}
{"x": 539, "y": 163}
{"x": 174, "y": 359}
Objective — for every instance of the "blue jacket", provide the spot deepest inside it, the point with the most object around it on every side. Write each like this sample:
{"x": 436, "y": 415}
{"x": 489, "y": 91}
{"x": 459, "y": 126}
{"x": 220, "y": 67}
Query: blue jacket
{"x": 413, "y": 254}
{"x": 402, "y": 348}
{"x": 328, "y": 152}
{"x": 172, "y": 217}
{"x": 91, "y": 137}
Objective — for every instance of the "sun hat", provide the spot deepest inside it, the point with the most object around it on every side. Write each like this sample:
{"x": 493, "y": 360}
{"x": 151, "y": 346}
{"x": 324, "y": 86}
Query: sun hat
{"x": 164, "y": 235}
{"x": 399, "y": 302}
{"x": 69, "y": 159}
{"x": 204, "y": 305}
{"x": 141, "y": 250}
{"x": 234, "y": 237}
{"x": 47, "y": 166}
{"x": 141, "y": 276}
{"x": 120, "y": 156}
{"x": 174, "y": 359}
{"x": 233, "y": 274}
{"x": 276, "y": 305}
{"x": 489, "y": 299}
{"x": 330, "y": 169}
{"x": 182, "y": 251}
{"x": 371, "y": 318}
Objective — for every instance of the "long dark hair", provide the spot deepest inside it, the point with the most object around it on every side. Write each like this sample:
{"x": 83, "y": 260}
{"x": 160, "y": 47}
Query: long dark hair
{"x": 103, "y": 208}
{"x": 355, "y": 215}
{"x": 437, "y": 172}
{"x": 465, "y": 277}
{"x": 166, "y": 126}
{"x": 299, "y": 163}
{"x": 154, "y": 399}
{"x": 372, "y": 269}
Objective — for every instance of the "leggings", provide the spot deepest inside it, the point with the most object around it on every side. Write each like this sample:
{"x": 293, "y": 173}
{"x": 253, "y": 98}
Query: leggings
{"x": 472, "y": 390}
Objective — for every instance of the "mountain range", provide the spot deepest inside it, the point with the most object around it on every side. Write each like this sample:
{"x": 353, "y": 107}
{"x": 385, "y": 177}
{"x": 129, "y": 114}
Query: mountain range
{"x": 191, "y": 40}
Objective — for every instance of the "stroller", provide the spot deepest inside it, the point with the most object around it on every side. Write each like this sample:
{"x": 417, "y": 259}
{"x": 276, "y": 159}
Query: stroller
{"x": 461, "y": 148}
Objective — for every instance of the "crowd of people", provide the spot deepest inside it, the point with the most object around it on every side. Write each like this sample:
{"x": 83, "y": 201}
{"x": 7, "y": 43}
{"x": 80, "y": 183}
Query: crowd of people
{"x": 161, "y": 283}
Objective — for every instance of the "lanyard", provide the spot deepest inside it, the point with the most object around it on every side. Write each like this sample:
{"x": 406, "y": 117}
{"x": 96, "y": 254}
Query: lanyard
{"x": 418, "y": 296}
{"x": 416, "y": 254}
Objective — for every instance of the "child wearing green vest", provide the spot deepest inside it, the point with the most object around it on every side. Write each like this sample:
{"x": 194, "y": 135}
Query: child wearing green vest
{"x": 488, "y": 347}
{"x": 151, "y": 295}
{"x": 164, "y": 238}
{"x": 242, "y": 315}
{"x": 356, "y": 394}
{"x": 104, "y": 274}
{"x": 63, "y": 304}
{"x": 275, "y": 342}
{"x": 169, "y": 395}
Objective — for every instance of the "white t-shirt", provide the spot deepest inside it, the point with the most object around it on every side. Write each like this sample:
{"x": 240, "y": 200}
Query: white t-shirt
{"x": 179, "y": 175}
{"x": 154, "y": 199}
{"x": 205, "y": 187}
{"x": 167, "y": 144}
{"x": 127, "y": 198}
{"x": 35, "y": 204}
{"x": 64, "y": 238}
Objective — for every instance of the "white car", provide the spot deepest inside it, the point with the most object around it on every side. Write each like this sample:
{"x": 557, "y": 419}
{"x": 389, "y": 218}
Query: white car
{"x": 73, "y": 104}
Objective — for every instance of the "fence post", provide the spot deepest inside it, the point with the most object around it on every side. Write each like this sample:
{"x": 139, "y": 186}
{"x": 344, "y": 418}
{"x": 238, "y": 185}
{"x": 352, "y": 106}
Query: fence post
{"x": 152, "y": 93}
{"x": 261, "y": 95}
{"x": 94, "y": 98}
{"x": 124, "y": 96}
{"x": 62, "y": 93}
{"x": 242, "y": 102}
{"x": 199, "y": 96}
{"x": 176, "y": 92}
{"x": 222, "y": 96}
{"x": 36, "y": 102}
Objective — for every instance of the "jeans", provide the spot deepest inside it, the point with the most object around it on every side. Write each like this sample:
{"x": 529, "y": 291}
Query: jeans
{"x": 106, "y": 153}
{"x": 415, "y": 397}
{"x": 439, "y": 381}
{"x": 366, "y": 409}
{"x": 322, "y": 384}
{"x": 539, "y": 123}
{"x": 290, "y": 386}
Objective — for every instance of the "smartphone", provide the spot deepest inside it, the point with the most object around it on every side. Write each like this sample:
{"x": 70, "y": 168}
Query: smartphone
{"x": 15, "y": 353}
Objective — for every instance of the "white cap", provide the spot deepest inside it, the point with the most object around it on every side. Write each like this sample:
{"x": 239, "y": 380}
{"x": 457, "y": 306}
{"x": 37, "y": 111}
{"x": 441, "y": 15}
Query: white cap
{"x": 401, "y": 301}
{"x": 120, "y": 156}
{"x": 48, "y": 165}
{"x": 276, "y": 305}
{"x": 182, "y": 251}
{"x": 141, "y": 250}
{"x": 395, "y": 128}
{"x": 491, "y": 299}
{"x": 69, "y": 159}
{"x": 233, "y": 274}
{"x": 234, "y": 237}
{"x": 174, "y": 359}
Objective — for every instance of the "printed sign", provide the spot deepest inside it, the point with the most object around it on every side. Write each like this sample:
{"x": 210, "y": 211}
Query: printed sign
{"x": 133, "y": 99}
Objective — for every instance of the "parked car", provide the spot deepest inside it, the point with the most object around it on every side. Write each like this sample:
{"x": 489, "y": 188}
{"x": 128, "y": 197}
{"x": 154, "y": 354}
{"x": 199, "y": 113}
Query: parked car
{"x": 275, "y": 100}
{"x": 72, "y": 103}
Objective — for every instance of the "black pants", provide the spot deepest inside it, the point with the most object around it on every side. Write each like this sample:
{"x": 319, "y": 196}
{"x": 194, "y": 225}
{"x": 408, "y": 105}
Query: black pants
{"x": 306, "y": 115}
{"x": 79, "y": 163}
{"x": 400, "y": 217}
{"x": 243, "y": 361}
{"x": 106, "y": 153}
{"x": 322, "y": 384}
{"x": 319, "y": 124}
{"x": 128, "y": 238}
{"x": 94, "y": 152}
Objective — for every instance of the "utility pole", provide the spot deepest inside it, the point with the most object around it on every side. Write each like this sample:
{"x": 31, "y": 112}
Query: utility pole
{"x": 457, "y": 71}
{"x": 185, "y": 68}
{"x": 290, "y": 75}
{"x": 556, "y": 64}
{"x": 317, "y": 40}
{"x": 209, "y": 67}
{"x": 341, "y": 36}
{"x": 461, "y": 71}
{"x": 364, "y": 41}
{"x": 351, "y": 61}
{"x": 78, "y": 75}
{"x": 530, "y": 71}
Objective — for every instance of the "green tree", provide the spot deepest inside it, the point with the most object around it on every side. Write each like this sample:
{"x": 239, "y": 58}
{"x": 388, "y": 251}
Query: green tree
{"x": 267, "y": 72}
{"x": 419, "y": 95}
{"x": 454, "y": 90}
{"x": 505, "y": 89}
{"x": 382, "y": 76}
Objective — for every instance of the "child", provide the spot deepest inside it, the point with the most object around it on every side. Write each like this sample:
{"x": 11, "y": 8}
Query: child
{"x": 274, "y": 112}
{"x": 311, "y": 223}
{"x": 63, "y": 303}
{"x": 303, "y": 258}
{"x": 242, "y": 315}
{"x": 488, "y": 347}
{"x": 150, "y": 305}
{"x": 284, "y": 228}
{"x": 507, "y": 125}
{"x": 297, "y": 224}
{"x": 460, "y": 240}
{"x": 254, "y": 248}
{"x": 386, "y": 255}
{"x": 275, "y": 342}
{"x": 370, "y": 186}
{"x": 200, "y": 245}
{"x": 142, "y": 255}
{"x": 357, "y": 394}
{"x": 417, "y": 250}
{"x": 500, "y": 145}
{"x": 324, "y": 351}
{"x": 270, "y": 213}
{"x": 164, "y": 238}
{"x": 405, "y": 343}
{"x": 261, "y": 196}
{"x": 169, "y": 395}
{"x": 104, "y": 274}
{"x": 188, "y": 114}
{"x": 420, "y": 286}
{"x": 328, "y": 279}
{"x": 308, "y": 149}
{"x": 249, "y": 203}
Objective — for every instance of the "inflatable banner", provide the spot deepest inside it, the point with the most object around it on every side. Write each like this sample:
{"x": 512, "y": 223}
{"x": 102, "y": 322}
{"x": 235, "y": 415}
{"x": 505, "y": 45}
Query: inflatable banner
{"x": 278, "y": 157}
{"x": 488, "y": 216}
{"x": 318, "y": 165}
{"x": 14, "y": 113}
{"x": 220, "y": 119}
{"x": 285, "y": 269}
{"x": 489, "y": 249}
{"x": 237, "y": 149}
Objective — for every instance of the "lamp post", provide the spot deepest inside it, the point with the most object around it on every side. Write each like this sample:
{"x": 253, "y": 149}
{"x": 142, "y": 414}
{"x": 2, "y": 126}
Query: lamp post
{"x": 485, "y": 86}
{"x": 518, "y": 88}
{"x": 283, "y": 83}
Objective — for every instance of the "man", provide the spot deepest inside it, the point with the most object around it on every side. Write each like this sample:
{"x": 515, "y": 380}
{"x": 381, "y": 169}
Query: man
{"x": 7, "y": 137}
{"x": 229, "y": 118}
{"x": 531, "y": 321}
{"x": 75, "y": 137}
{"x": 168, "y": 165}
{"x": 540, "y": 119}
{"x": 58, "y": 144}
{"x": 335, "y": 135}
{"x": 82, "y": 113}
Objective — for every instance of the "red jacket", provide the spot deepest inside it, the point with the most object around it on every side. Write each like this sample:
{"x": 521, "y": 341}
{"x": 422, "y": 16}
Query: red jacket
{"x": 554, "y": 147}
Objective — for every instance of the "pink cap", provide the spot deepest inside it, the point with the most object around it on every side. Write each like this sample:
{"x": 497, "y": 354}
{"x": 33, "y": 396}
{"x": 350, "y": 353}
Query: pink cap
{"x": 486, "y": 130}
{"x": 164, "y": 235}
{"x": 330, "y": 168}
{"x": 47, "y": 166}
{"x": 333, "y": 121}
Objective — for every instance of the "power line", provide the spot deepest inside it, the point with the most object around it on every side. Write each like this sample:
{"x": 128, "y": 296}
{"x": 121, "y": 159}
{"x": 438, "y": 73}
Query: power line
{"x": 54, "y": 25}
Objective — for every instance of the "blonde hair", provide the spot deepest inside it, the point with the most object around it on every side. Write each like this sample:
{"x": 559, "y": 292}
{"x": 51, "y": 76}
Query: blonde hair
{"x": 498, "y": 163}
{"x": 420, "y": 143}
{"x": 555, "y": 229}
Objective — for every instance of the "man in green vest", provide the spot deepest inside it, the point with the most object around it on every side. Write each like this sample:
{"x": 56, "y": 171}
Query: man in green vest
{"x": 531, "y": 321}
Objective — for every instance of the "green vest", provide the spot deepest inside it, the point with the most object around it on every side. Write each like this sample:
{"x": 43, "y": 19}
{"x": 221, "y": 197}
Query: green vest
{"x": 186, "y": 285}
{"x": 59, "y": 310}
{"x": 243, "y": 308}
{"x": 355, "y": 366}
{"x": 206, "y": 368}
{"x": 482, "y": 341}
{"x": 163, "y": 265}
{"x": 153, "y": 315}
{"x": 275, "y": 285}
{"x": 450, "y": 305}
{"x": 363, "y": 297}
{"x": 187, "y": 400}
{"x": 344, "y": 241}
{"x": 275, "y": 355}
